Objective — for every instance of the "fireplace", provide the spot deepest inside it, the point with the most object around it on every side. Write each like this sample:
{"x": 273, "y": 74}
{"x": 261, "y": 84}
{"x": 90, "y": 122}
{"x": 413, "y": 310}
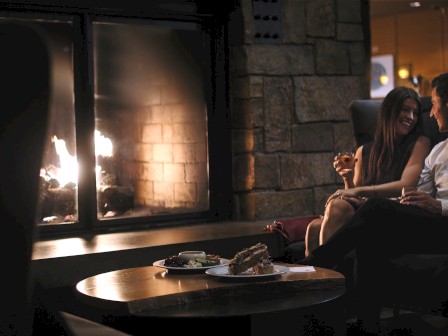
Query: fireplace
{"x": 264, "y": 159}
{"x": 130, "y": 121}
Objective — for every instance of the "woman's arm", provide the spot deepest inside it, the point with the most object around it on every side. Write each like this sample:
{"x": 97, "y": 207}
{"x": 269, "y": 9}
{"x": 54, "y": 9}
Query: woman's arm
{"x": 358, "y": 167}
{"x": 409, "y": 177}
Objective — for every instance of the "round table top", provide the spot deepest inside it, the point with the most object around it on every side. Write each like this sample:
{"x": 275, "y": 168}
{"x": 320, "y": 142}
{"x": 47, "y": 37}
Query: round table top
{"x": 155, "y": 291}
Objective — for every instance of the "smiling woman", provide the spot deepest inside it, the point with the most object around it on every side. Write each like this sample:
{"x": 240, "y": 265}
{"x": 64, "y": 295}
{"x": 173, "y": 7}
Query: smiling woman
{"x": 392, "y": 160}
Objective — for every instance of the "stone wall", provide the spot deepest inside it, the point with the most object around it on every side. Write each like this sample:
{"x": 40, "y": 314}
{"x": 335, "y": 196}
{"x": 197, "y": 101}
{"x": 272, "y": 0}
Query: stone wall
{"x": 289, "y": 102}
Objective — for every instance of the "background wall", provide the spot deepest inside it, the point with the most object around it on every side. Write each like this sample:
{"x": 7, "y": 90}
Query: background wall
{"x": 289, "y": 102}
{"x": 413, "y": 38}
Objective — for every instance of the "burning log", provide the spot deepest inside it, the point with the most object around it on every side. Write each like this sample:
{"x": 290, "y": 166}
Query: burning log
{"x": 59, "y": 202}
{"x": 116, "y": 199}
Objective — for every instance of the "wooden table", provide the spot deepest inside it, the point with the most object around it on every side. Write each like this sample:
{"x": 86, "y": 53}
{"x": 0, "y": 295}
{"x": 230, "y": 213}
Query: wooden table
{"x": 291, "y": 300}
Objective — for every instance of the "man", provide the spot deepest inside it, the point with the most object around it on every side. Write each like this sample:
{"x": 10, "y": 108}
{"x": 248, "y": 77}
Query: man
{"x": 383, "y": 229}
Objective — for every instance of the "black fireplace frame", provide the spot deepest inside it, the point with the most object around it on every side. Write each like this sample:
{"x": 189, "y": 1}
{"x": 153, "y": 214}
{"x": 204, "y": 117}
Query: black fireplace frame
{"x": 213, "y": 23}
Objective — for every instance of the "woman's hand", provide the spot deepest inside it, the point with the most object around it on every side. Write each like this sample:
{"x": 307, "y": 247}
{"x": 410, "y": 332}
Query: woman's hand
{"x": 343, "y": 194}
{"x": 344, "y": 164}
{"x": 422, "y": 200}
{"x": 349, "y": 195}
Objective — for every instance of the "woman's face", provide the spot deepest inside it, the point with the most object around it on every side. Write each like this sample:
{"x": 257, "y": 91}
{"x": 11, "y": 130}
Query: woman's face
{"x": 408, "y": 117}
{"x": 439, "y": 111}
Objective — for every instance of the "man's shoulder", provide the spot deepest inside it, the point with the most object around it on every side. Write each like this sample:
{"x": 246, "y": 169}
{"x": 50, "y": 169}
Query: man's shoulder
{"x": 441, "y": 144}
{"x": 439, "y": 148}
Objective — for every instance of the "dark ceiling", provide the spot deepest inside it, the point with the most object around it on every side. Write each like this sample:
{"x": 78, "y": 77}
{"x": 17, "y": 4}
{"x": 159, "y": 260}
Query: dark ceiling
{"x": 380, "y": 8}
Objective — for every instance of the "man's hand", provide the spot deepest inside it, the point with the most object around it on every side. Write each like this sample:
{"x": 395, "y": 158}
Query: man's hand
{"x": 423, "y": 201}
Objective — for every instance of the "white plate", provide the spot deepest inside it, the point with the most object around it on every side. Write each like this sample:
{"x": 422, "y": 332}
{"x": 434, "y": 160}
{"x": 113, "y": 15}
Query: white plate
{"x": 160, "y": 263}
{"x": 223, "y": 271}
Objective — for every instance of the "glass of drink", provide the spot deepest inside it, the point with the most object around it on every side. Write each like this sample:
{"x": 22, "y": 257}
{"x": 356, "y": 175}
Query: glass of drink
{"x": 405, "y": 190}
{"x": 345, "y": 158}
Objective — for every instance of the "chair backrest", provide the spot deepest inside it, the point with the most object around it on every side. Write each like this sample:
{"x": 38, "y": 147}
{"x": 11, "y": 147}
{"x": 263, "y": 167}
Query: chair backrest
{"x": 25, "y": 93}
{"x": 364, "y": 116}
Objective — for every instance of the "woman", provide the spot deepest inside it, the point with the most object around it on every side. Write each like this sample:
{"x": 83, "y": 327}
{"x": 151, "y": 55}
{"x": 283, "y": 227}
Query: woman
{"x": 393, "y": 160}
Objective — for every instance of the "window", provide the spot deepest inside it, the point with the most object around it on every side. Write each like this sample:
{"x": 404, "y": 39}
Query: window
{"x": 133, "y": 101}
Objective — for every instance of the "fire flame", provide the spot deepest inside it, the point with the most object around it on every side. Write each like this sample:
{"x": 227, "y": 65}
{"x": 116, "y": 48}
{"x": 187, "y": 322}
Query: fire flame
{"x": 68, "y": 170}
{"x": 103, "y": 145}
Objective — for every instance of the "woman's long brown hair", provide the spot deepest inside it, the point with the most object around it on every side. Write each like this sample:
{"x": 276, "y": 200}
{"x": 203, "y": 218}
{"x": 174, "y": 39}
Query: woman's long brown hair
{"x": 388, "y": 150}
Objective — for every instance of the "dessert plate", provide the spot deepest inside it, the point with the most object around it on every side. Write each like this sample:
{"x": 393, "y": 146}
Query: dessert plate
{"x": 222, "y": 271}
{"x": 160, "y": 263}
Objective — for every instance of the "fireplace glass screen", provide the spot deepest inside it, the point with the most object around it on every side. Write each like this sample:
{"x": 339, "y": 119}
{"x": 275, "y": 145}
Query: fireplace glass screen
{"x": 150, "y": 121}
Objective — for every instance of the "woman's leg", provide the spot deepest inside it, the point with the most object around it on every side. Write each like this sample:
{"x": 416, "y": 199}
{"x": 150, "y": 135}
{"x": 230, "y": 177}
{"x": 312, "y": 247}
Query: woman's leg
{"x": 337, "y": 213}
{"x": 397, "y": 229}
{"x": 312, "y": 236}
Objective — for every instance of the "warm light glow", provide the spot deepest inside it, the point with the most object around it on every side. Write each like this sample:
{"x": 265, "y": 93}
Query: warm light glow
{"x": 384, "y": 79}
{"x": 103, "y": 146}
{"x": 68, "y": 172}
{"x": 414, "y": 4}
{"x": 62, "y": 248}
{"x": 403, "y": 73}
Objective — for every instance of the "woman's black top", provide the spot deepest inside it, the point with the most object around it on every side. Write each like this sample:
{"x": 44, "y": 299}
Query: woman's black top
{"x": 401, "y": 160}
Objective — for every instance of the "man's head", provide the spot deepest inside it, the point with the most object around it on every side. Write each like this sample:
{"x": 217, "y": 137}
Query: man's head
{"x": 439, "y": 99}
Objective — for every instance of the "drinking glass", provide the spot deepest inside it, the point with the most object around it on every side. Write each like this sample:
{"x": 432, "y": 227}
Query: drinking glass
{"x": 407, "y": 189}
{"x": 346, "y": 157}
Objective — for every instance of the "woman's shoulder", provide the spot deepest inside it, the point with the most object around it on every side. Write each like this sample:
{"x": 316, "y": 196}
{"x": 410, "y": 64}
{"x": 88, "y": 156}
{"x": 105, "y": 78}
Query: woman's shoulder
{"x": 422, "y": 145}
{"x": 424, "y": 140}
{"x": 359, "y": 150}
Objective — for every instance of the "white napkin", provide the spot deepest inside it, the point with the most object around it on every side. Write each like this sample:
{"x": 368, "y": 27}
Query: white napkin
{"x": 302, "y": 269}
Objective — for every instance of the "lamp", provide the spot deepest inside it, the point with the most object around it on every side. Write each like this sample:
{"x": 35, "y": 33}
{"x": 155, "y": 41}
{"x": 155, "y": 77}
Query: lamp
{"x": 405, "y": 71}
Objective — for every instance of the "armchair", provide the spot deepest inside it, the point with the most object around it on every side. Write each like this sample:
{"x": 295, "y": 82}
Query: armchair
{"x": 26, "y": 93}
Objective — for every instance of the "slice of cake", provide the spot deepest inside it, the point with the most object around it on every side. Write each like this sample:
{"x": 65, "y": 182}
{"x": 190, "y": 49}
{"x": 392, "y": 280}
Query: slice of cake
{"x": 264, "y": 266}
{"x": 247, "y": 258}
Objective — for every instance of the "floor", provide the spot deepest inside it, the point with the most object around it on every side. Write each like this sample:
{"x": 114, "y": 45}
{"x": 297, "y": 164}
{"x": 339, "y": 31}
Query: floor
{"x": 406, "y": 324}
